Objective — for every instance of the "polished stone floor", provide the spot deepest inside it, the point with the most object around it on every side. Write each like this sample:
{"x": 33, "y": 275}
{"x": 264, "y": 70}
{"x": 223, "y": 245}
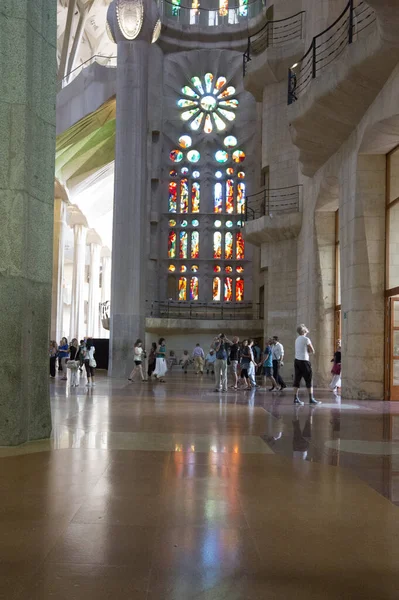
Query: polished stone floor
{"x": 171, "y": 491}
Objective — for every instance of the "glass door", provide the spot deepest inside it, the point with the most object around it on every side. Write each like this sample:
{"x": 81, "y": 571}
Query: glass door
{"x": 394, "y": 349}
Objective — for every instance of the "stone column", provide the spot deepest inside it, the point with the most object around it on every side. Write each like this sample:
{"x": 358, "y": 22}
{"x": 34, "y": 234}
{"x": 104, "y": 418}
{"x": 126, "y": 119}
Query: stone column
{"x": 60, "y": 214}
{"x": 27, "y": 150}
{"x": 79, "y": 224}
{"x": 132, "y": 24}
{"x": 95, "y": 243}
{"x": 106, "y": 274}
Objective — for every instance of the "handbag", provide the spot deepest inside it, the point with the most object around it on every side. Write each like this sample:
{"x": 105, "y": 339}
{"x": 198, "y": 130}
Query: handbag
{"x": 92, "y": 363}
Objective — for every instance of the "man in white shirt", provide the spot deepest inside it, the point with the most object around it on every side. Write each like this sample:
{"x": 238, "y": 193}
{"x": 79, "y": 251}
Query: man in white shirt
{"x": 302, "y": 365}
{"x": 278, "y": 357}
{"x": 199, "y": 357}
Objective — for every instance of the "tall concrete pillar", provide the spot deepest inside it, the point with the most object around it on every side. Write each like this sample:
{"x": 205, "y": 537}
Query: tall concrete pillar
{"x": 95, "y": 244}
{"x": 106, "y": 274}
{"x": 27, "y": 151}
{"x": 79, "y": 224}
{"x": 60, "y": 224}
{"x": 133, "y": 24}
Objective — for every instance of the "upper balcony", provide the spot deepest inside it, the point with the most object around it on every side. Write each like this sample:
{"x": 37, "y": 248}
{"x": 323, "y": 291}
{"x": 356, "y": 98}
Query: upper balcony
{"x": 273, "y": 215}
{"x": 271, "y": 50}
{"x": 333, "y": 84}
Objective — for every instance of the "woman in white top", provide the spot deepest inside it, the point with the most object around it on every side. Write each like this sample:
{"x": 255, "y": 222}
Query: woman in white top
{"x": 138, "y": 361}
{"x": 90, "y": 362}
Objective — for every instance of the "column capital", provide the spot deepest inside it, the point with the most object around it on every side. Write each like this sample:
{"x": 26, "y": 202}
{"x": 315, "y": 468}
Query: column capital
{"x": 76, "y": 217}
{"x": 129, "y": 20}
{"x": 93, "y": 238}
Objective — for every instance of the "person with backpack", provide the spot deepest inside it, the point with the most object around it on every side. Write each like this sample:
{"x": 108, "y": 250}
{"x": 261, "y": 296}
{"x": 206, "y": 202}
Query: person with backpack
{"x": 221, "y": 346}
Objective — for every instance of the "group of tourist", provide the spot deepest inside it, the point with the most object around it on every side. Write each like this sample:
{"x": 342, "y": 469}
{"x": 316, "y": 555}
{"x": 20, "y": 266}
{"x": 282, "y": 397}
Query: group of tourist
{"x": 74, "y": 357}
{"x": 243, "y": 360}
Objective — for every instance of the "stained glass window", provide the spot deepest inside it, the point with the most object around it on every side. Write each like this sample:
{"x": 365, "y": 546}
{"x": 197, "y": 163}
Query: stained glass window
{"x": 188, "y": 91}
{"x": 240, "y": 246}
{"x": 229, "y": 224}
{"x": 183, "y": 244}
{"x": 208, "y": 103}
{"x": 230, "y": 103}
{"x": 220, "y": 124}
{"x": 227, "y": 114}
{"x": 230, "y": 141}
{"x": 241, "y": 198}
{"x": 196, "y": 174}
{"x": 221, "y": 156}
{"x": 216, "y": 289}
{"x": 184, "y": 223}
{"x": 184, "y": 171}
{"x": 172, "y": 196}
{"x": 208, "y": 127}
{"x": 218, "y": 223}
{"x": 229, "y": 91}
{"x": 230, "y": 171}
{"x": 176, "y": 7}
{"x": 241, "y": 175}
{"x": 218, "y": 174}
{"x": 195, "y": 223}
{"x": 186, "y": 116}
{"x": 217, "y": 268}
{"x": 172, "y": 244}
{"x": 171, "y": 268}
{"x": 195, "y": 268}
{"x": 173, "y": 173}
{"x": 184, "y": 103}
{"x": 230, "y": 196}
{"x": 183, "y": 269}
{"x": 228, "y": 246}
{"x": 238, "y": 156}
{"x": 194, "y": 244}
{"x": 196, "y": 81}
{"x": 217, "y": 245}
{"x": 208, "y": 82}
{"x": 228, "y": 289}
{"x": 193, "y": 156}
{"x": 185, "y": 141}
{"x": 184, "y": 196}
{"x": 196, "y": 124}
{"x": 223, "y": 8}
{"x": 243, "y": 8}
{"x": 239, "y": 289}
{"x": 228, "y": 269}
{"x": 194, "y": 288}
{"x": 219, "y": 84}
{"x": 195, "y": 197}
{"x": 182, "y": 288}
{"x": 172, "y": 223}
{"x": 218, "y": 198}
{"x": 176, "y": 156}
{"x": 240, "y": 269}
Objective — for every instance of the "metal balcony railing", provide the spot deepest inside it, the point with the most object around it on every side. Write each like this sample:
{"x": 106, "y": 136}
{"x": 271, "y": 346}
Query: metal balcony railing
{"x": 328, "y": 45}
{"x": 107, "y": 61}
{"x": 233, "y": 12}
{"x": 172, "y": 309}
{"x": 268, "y": 202}
{"x": 274, "y": 34}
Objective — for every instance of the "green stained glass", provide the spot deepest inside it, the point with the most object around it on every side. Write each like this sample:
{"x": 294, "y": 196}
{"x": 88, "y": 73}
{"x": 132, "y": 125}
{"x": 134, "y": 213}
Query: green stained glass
{"x": 184, "y": 171}
{"x": 229, "y": 91}
{"x": 238, "y": 156}
{"x": 233, "y": 103}
{"x": 193, "y": 156}
{"x": 184, "y": 223}
{"x": 176, "y": 156}
{"x": 208, "y": 82}
{"x": 195, "y": 223}
{"x": 208, "y": 124}
{"x": 197, "y": 83}
{"x": 189, "y": 92}
{"x": 182, "y": 103}
{"x": 229, "y": 224}
{"x": 221, "y": 156}
{"x": 208, "y": 103}
{"x": 230, "y": 141}
{"x": 185, "y": 141}
{"x": 176, "y": 7}
{"x": 218, "y": 223}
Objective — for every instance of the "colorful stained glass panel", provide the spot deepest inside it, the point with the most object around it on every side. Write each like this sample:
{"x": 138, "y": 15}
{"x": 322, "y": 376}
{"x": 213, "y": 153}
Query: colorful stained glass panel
{"x": 208, "y": 103}
{"x": 183, "y": 244}
{"x": 228, "y": 269}
{"x": 216, "y": 295}
{"x": 176, "y": 7}
{"x": 196, "y": 81}
{"x": 195, "y": 223}
{"x": 239, "y": 289}
{"x": 230, "y": 196}
{"x": 172, "y": 244}
{"x": 217, "y": 245}
{"x": 208, "y": 82}
{"x": 241, "y": 175}
{"x": 172, "y": 196}
{"x": 230, "y": 116}
{"x": 208, "y": 124}
{"x": 184, "y": 103}
{"x": 172, "y": 268}
{"x": 218, "y": 223}
{"x": 238, "y": 156}
{"x": 172, "y": 223}
{"x": 240, "y": 246}
{"x": 217, "y": 268}
{"x": 194, "y": 244}
{"x": 196, "y": 174}
{"x": 232, "y": 103}
{"x": 230, "y": 141}
{"x": 240, "y": 269}
{"x": 218, "y": 198}
{"x": 220, "y": 124}
{"x": 228, "y": 246}
{"x": 182, "y": 288}
{"x": 195, "y": 268}
{"x": 186, "y": 116}
{"x": 176, "y": 156}
{"x": 243, "y": 8}
{"x": 241, "y": 198}
{"x": 196, "y": 124}
{"x": 193, "y": 156}
{"x": 228, "y": 289}
{"x": 183, "y": 269}
{"x": 223, "y": 8}
{"x": 173, "y": 173}
{"x": 185, "y": 141}
{"x": 221, "y": 81}
{"x": 229, "y": 91}
{"x": 221, "y": 156}
{"x": 189, "y": 92}
{"x": 194, "y": 288}
{"x": 184, "y": 196}
{"x": 195, "y": 197}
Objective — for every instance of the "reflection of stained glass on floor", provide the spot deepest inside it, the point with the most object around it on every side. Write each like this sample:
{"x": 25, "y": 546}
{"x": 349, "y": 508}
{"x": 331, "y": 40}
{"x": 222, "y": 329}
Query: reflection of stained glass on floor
{"x": 194, "y": 244}
{"x": 239, "y": 289}
{"x": 228, "y": 289}
{"x": 241, "y": 198}
{"x": 230, "y": 196}
{"x": 183, "y": 245}
{"x": 217, "y": 245}
{"x": 194, "y": 288}
{"x": 240, "y": 246}
{"x": 184, "y": 196}
{"x": 216, "y": 289}
{"x": 195, "y": 197}
{"x": 172, "y": 196}
{"x": 228, "y": 246}
{"x": 172, "y": 244}
{"x": 218, "y": 198}
{"x": 182, "y": 288}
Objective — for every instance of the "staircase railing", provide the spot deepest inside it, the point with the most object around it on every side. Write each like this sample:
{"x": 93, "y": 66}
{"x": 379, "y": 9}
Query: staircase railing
{"x": 268, "y": 202}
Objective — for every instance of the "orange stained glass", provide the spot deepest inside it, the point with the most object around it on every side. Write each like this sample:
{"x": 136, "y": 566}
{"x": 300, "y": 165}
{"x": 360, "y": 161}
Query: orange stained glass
{"x": 217, "y": 268}
{"x": 172, "y": 196}
{"x": 217, "y": 245}
{"x": 195, "y": 197}
{"x": 184, "y": 196}
{"x": 172, "y": 244}
{"x": 182, "y": 288}
{"x": 218, "y": 198}
{"x": 216, "y": 291}
{"x": 228, "y": 289}
{"x": 241, "y": 198}
{"x": 228, "y": 246}
{"x": 230, "y": 196}
{"x": 183, "y": 245}
{"x": 223, "y": 7}
{"x": 194, "y": 244}
{"x": 194, "y": 288}
{"x": 240, "y": 246}
{"x": 239, "y": 289}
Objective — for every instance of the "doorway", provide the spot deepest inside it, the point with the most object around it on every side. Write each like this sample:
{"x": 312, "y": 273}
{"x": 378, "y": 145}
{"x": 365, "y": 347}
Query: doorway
{"x": 392, "y": 350}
